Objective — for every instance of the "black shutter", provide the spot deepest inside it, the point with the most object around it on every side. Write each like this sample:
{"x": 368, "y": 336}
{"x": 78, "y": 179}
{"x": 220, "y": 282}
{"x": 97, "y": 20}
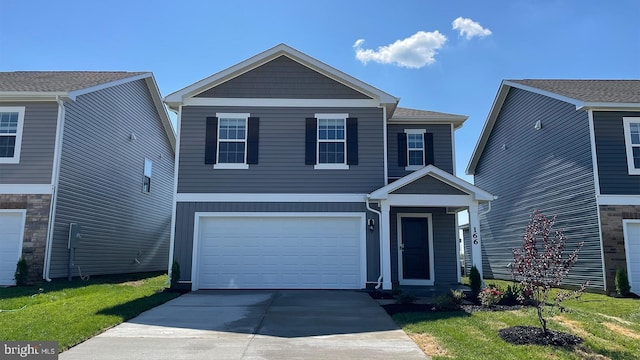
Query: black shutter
{"x": 402, "y": 149}
{"x": 211, "y": 140}
{"x": 311, "y": 132}
{"x": 253, "y": 129}
{"x": 352, "y": 141}
{"x": 428, "y": 148}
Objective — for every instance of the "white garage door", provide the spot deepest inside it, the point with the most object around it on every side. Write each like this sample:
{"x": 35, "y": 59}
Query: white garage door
{"x": 11, "y": 230}
{"x": 267, "y": 251}
{"x": 632, "y": 247}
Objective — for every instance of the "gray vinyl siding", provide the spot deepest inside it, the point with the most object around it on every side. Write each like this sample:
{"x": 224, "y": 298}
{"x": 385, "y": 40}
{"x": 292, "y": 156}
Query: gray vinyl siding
{"x": 283, "y": 78}
{"x": 185, "y": 213}
{"x": 549, "y": 170}
{"x": 429, "y": 185}
{"x": 442, "y": 147}
{"x": 444, "y": 244}
{"x": 611, "y": 152}
{"x": 38, "y": 143}
{"x": 281, "y": 167}
{"x": 466, "y": 239}
{"x": 100, "y": 186}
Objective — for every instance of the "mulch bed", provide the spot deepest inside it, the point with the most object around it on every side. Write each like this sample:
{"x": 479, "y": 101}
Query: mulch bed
{"x": 530, "y": 335}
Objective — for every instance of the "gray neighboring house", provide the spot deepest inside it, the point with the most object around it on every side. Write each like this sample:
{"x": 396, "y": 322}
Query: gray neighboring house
{"x": 95, "y": 149}
{"x": 293, "y": 174}
{"x": 569, "y": 148}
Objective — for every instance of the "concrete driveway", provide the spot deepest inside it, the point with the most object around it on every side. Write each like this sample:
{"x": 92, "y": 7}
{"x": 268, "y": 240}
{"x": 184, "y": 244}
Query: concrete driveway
{"x": 279, "y": 324}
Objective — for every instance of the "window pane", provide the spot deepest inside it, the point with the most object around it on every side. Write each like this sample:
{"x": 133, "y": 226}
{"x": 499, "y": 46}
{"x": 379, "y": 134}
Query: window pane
{"x": 635, "y": 133}
{"x": 416, "y": 157}
{"x": 415, "y": 141}
{"x": 147, "y": 167}
{"x": 636, "y": 157}
{"x": 331, "y": 129}
{"x": 7, "y": 146}
{"x": 232, "y": 129}
{"x": 8, "y": 123}
{"x": 331, "y": 153}
{"x": 231, "y": 152}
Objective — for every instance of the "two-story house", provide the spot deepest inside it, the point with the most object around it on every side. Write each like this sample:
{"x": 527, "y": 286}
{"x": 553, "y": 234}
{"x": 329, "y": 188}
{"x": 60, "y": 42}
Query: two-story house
{"x": 293, "y": 174}
{"x": 86, "y": 173}
{"x": 569, "y": 148}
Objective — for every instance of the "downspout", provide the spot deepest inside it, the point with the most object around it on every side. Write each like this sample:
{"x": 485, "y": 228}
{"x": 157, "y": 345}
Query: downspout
{"x": 379, "y": 283}
{"x": 55, "y": 176}
{"x": 384, "y": 142}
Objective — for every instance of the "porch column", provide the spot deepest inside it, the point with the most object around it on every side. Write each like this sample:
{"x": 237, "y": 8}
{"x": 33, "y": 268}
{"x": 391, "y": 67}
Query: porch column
{"x": 385, "y": 246}
{"x": 474, "y": 231}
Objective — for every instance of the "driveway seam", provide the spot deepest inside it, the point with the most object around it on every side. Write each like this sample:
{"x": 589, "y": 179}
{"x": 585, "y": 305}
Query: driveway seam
{"x": 260, "y": 324}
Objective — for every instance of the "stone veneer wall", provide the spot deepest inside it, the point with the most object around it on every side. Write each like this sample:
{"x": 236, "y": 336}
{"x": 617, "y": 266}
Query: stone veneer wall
{"x": 36, "y": 225}
{"x": 611, "y": 217}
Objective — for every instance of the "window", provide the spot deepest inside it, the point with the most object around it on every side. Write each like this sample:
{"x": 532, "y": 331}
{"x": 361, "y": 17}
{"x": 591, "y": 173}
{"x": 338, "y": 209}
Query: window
{"x": 632, "y": 143}
{"x": 232, "y": 141}
{"x": 415, "y": 148}
{"x": 11, "y": 122}
{"x": 146, "y": 181}
{"x": 332, "y": 141}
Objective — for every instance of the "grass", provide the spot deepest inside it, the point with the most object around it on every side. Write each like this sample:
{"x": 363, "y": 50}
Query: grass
{"x": 71, "y": 312}
{"x": 609, "y": 326}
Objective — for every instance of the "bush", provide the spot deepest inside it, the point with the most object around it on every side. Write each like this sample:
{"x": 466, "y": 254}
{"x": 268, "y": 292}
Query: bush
{"x": 513, "y": 294}
{"x": 405, "y": 298}
{"x": 22, "y": 272}
{"x": 475, "y": 282}
{"x": 450, "y": 300}
{"x": 175, "y": 273}
{"x": 622, "y": 283}
{"x": 490, "y": 296}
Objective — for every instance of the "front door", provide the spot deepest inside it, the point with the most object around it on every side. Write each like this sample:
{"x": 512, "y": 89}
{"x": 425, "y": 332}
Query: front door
{"x": 414, "y": 249}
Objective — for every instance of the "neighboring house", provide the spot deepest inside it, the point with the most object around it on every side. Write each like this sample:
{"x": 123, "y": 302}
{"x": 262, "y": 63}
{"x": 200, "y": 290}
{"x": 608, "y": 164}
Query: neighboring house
{"x": 569, "y": 148}
{"x": 94, "y": 149}
{"x": 292, "y": 174}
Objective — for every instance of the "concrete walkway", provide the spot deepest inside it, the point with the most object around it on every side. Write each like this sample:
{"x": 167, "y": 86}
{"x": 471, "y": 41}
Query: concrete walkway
{"x": 229, "y": 324}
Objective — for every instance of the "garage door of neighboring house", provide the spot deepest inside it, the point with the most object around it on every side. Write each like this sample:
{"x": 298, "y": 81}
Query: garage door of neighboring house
{"x": 279, "y": 251}
{"x": 632, "y": 248}
{"x": 11, "y": 233}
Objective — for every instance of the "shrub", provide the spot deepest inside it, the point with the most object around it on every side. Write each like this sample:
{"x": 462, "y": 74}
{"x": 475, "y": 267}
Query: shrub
{"x": 475, "y": 282}
{"x": 175, "y": 273}
{"x": 622, "y": 283}
{"x": 513, "y": 294}
{"x": 490, "y": 296}
{"x": 405, "y": 298}
{"x": 539, "y": 266}
{"x": 22, "y": 272}
{"x": 449, "y": 300}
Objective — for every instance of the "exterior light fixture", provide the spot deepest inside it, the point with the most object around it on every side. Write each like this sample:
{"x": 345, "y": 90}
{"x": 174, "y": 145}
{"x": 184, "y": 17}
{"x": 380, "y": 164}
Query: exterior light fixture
{"x": 371, "y": 223}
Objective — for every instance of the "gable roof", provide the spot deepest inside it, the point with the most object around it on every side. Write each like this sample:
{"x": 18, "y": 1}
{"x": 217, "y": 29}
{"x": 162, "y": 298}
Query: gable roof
{"x": 584, "y": 94}
{"x": 439, "y": 174}
{"x": 44, "y": 85}
{"x": 174, "y": 99}
{"x": 406, "y": 115}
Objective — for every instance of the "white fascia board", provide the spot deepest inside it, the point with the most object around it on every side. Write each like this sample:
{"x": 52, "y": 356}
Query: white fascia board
{"x": 268, "y": 55}
{"x": 608, "y": 106}
{"x": 162, "y": 110}
{"x": 75, "y": 93}
{"x": 429, "y": 200}
{"x": 32, "y": 95}
{"x": 17, "y": 189}
{"x": 228, "y": 197}
{"x": 279, "y": 102}
{"x": 457, "y": 120}
{"x": 576, "y": 102}
{"x": 431, "y": 170}
{"x": 633, "y": 200}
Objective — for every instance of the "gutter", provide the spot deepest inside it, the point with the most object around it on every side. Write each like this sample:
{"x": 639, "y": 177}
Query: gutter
{"x": 55, "y": 176}
{"x": 379, "y": 283}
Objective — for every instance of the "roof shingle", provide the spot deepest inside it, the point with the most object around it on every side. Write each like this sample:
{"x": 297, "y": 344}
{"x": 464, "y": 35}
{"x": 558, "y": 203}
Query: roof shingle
{"x": 58, "y": 81}
{"x": 609, "y": 91}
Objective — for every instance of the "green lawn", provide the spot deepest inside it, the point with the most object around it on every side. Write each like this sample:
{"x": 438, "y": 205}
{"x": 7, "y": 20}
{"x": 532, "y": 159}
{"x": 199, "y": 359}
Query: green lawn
{"x": 72, "y": 311}
{"x": 609, "y": 326}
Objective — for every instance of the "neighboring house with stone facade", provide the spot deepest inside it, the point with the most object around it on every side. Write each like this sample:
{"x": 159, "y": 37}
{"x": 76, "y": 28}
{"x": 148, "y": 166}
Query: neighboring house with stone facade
{"x": 94, "y": 149}
{"x": 569, "y": 148}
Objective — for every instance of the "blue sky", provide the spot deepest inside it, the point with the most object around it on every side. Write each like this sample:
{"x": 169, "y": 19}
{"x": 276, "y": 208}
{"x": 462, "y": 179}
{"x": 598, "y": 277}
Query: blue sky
{"x": 410, "y": 49}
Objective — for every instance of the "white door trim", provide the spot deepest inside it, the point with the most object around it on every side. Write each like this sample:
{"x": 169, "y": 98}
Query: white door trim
{"x": 401, "y": 280}
{"x": 199, "y": 215}
{"x": 626, "y": 222}
{"x": 23, "y": 213}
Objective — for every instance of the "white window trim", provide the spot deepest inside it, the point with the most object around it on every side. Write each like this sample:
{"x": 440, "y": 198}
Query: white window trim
{"x": 337, "y": 166}
{"x": 18, "y": 144}
{"x": 244, "y": 165}
{"x": 415, "y": 131}
{"x": 626, "y": 121}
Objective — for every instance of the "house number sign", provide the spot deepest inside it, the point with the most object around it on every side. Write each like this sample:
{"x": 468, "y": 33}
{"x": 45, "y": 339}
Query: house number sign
{"x": 475, "y": 236}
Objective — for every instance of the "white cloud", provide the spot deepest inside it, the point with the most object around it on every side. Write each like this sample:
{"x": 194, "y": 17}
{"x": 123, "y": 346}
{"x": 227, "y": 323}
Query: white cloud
{"x": 469, "y": 28}
{"x": 413, "y": 52}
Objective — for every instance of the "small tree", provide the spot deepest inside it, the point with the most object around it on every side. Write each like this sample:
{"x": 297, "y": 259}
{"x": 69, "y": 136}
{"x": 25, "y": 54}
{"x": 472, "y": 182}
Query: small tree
{"x": 22, "y": 272}
{"x": 475, "y": 281}
{"x": 622, "y": 282}
{"x": 539, "y": 266}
